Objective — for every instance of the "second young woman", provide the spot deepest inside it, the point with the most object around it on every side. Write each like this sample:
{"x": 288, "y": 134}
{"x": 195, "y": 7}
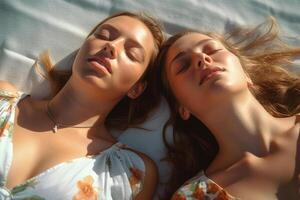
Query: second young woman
{"x": 234, "y": 112}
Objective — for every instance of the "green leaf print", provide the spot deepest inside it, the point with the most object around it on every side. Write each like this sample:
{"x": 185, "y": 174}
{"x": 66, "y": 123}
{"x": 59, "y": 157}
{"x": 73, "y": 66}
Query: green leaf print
{"x": 35, "y": 197}
{"x": 20, "y": 188}
{"x": 193, "y": 186}
{"x": 2, "y": 121}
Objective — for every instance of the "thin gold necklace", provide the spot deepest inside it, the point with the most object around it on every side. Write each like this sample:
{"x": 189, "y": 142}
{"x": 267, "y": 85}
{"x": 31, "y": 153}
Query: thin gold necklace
{"x": 58, "y": 125}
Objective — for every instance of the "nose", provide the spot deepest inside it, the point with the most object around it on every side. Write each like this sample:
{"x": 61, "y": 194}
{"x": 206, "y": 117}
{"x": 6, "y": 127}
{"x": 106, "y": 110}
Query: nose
{"x": 202, "y": 60}
{"x": 109, "y": 50}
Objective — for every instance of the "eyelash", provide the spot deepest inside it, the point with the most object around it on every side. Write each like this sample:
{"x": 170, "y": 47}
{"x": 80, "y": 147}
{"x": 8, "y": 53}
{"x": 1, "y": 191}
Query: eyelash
{"x": 102, "y": 37}
{"x": 183, "y": 68}
{"x": 130, "y": 55}
{"x": 214, "y": 51}
{"x": 209, "y": 50}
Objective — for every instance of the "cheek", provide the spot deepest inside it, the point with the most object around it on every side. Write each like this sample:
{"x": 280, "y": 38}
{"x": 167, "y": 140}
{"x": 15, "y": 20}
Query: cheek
{"x": 238, "y": 69}
{"x": 91, "y": 46}
{"x": 235, "y": 78}
{"x": 78, "y": 61}
{"x": 84, "y": 50}
{"x": 183, "y": 90}
{"x": 129, "y": 73}
{"x": 233, "y": 64}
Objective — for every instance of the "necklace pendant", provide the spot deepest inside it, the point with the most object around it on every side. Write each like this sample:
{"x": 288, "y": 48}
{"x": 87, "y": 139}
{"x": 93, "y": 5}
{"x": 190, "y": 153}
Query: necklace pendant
{"x": 55, "y": 129}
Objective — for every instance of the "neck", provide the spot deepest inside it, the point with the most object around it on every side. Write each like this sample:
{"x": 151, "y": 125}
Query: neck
{"x": 78, "y": 107}
{"x": 241, "y": 125}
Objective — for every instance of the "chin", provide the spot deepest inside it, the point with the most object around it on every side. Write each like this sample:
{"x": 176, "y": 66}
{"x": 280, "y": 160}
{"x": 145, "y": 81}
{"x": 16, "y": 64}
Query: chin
{"x": 95, "y": 82}
{"x": 239, "y": 88}
{"x": 220, "y": 85}
{"x": 225, "y": 88}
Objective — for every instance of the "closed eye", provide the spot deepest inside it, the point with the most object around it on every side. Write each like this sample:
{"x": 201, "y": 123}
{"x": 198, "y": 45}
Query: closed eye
{"x": 134, "y": 54}
{"x": 130, "y": 54}
{"x": 214, "y": 51}
{"x": 182, "y": 66}
{"x": 103, "y": 35}
{"x": 134, "y": 51}
{"x": 211, "y": 48}
{"x": 182, "y": 69}
{"x": 106, "y": 32}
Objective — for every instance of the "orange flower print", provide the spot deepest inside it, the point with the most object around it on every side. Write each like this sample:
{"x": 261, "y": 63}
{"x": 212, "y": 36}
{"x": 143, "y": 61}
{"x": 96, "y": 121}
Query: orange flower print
{"x": 136, "y": 176}
{"x": 178, "y": 196}
{"x": 6, "y": 130}
{"x": 86, "y": 190}
{"x": 222, "y": 195}
{"x": 198, "y": 194}
{"x": 135, "y": 179}
{"x": 212, "y": 188}
{"x": 1, "y": 131}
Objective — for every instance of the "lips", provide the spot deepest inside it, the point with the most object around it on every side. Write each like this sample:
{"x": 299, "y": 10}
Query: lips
{"x": 209, "y": 72}
{"x": 101, "y": 61}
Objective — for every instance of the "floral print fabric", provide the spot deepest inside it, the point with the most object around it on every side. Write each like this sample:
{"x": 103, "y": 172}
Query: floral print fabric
{"x": 201, "y": 188}
{"x": 115, "y": 174}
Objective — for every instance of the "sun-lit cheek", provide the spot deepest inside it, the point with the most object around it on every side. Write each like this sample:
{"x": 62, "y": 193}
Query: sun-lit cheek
{"x": 130, "y": 75}
{"x": 91, "y": 44}
{"x": 232, "y": 57}
{"x": 79, "y": 59}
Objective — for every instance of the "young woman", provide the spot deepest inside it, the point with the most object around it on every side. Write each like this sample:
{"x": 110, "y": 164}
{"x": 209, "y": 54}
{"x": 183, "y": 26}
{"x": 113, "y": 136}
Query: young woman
{"x": 60, "y": 148}
{"x": 234, "y": 113}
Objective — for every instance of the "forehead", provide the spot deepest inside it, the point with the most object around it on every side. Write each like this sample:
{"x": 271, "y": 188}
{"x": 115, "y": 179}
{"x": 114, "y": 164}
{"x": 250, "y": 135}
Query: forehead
{"x": 185, "y": 43}
{"x": 124, "y": 21}
{"x": 133, "y": 28}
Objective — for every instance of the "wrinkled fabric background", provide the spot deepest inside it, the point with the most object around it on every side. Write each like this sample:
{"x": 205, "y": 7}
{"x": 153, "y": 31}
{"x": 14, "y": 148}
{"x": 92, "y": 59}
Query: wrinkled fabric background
{"x": 30, "y": 27}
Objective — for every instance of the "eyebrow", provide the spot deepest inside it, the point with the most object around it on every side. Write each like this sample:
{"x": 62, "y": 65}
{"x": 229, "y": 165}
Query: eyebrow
{"x": 109, "y": 26}
{"x": 131, "y": 40}
{"x": 180, "y": 54}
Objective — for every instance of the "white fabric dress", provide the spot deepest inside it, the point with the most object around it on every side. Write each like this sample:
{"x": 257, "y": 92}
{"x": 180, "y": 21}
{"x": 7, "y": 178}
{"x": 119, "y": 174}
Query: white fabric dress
{"x": 115, "y": 174}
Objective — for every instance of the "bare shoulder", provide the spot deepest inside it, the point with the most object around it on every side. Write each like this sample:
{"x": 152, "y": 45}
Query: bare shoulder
{"x": 7, "y": 86}
{"x": 149, "y": 163}
{"x": 150, "y": 178}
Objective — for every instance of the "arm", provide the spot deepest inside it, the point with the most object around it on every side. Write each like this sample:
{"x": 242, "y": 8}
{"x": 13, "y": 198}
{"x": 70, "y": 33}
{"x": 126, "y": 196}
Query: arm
{"x": 150, "y": 180}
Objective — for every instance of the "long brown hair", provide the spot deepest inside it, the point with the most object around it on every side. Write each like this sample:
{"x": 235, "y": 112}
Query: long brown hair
{"x": 128, "y": 112}
{"x": 265, "y": 57}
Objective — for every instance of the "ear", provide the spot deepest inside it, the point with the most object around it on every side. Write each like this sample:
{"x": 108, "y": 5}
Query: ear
{"x": 184, "y": 113}
{"x": 137, "y": 90}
